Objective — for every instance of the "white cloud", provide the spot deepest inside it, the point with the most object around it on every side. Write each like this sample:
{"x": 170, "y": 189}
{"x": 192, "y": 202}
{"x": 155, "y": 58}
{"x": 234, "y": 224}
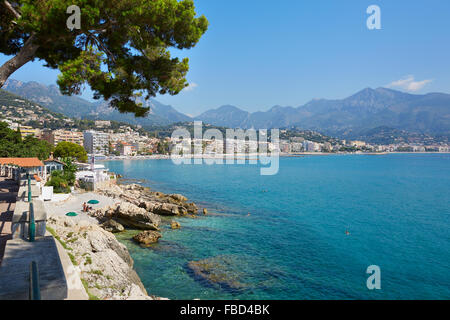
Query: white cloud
{"x": 409, "y": 84}
{"x": 190, "y": 87}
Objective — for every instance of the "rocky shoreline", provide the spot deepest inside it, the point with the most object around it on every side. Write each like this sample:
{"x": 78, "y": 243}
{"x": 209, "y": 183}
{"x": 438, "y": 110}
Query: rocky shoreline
{"x": 102, "y": 262}
{"x": 140, "y": 208}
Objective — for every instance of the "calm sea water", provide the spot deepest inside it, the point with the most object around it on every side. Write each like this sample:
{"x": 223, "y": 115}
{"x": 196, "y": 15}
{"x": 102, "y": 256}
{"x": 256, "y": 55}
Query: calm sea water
{"x": 293, "y": 245}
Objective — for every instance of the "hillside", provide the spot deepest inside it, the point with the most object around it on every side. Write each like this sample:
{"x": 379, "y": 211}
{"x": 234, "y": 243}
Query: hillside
{"x": 18, "y": 109}
{"x": 354, "y": 117}
{"x": 76, "y": 107}
{"x": 27, "y": 113}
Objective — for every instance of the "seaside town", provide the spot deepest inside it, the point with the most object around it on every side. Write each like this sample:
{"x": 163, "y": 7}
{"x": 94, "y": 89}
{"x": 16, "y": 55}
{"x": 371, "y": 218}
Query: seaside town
{"x": 59, "y": 214}
{"x": 57, "y": 240}
{"x": 132, "y": 141}
{"x": 67, "y": 204}
{"x": 297, "y": 154}
{"x": 111, "y": 139}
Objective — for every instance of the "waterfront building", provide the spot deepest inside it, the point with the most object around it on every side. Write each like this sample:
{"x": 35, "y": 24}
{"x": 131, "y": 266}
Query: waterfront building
{"x": 285, "y": 146}
{"x": 32, "y": 166}
{"x": 92, "y": 175}
{"x": 96, "y": 142}
{"x": 296, "y": 147}
{"x": 127, "y": 149}
{"x": 309, "y": 146}
{"x": 52, "y": 165}
{"x": 418, "y": 148}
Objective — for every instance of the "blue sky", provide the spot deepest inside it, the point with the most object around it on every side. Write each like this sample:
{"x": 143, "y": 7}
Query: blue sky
{"x": 257, "y": 54}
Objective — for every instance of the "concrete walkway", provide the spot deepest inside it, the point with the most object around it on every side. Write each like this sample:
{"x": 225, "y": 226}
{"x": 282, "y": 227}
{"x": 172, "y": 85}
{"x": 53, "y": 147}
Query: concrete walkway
{"x": 15, "y": 270}
{"x": 75, "y": 204}
{"x": 59, "y": 279}
{"x": 8, "y": 194}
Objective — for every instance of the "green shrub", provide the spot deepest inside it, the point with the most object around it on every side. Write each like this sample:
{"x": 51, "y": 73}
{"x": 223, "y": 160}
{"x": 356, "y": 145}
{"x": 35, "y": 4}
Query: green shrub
{"x": 61, "y": 181}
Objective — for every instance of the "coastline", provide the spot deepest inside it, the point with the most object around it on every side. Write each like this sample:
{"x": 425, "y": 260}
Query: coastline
{"x": 198, "y": 273}
{"x": 240, "y": 156}
{"x": 101, "y": 261}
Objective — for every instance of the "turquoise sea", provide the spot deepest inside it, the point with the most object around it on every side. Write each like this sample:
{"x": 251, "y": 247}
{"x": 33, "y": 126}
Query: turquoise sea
{"x": 294, "y": 245}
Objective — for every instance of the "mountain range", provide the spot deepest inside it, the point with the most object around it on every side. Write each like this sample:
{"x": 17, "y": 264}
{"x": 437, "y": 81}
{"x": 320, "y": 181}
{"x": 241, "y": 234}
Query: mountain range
{"x": 76, "y": 107}
{"x": 350, "y": 117}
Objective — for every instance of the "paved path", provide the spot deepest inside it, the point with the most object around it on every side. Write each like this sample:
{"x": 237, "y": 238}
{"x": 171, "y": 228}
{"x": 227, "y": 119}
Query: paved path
{"x": 75, "y": 204}
{"x": 8, "y": 193}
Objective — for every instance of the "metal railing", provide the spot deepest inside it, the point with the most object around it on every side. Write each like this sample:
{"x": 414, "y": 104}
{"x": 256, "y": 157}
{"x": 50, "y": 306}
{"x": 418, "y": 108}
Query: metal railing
{"x": 31, "y": 223}
{"x": 29, "y": 187}
{"x": 35, "y": 290}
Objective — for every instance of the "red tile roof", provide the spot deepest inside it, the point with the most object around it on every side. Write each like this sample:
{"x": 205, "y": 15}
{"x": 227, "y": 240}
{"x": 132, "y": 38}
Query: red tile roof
{"x": 22, "y": 162}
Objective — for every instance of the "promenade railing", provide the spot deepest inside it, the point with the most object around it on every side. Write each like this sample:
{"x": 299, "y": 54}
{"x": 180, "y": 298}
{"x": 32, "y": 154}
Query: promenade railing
{"x": 32, "y": 223}
{"x": 35, "y": 291}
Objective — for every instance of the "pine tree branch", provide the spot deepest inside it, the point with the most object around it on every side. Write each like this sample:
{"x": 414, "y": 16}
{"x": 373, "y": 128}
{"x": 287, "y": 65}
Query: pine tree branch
{"x": 11, "y": 9}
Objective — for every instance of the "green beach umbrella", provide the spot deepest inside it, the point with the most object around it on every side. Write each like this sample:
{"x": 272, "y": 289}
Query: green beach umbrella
{"x": 71, "y": 214}
{"x": 93, "y": 202}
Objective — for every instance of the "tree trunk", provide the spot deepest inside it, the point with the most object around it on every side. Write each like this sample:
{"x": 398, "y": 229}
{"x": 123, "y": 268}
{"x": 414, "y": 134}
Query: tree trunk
{"x": 25, "y": 55}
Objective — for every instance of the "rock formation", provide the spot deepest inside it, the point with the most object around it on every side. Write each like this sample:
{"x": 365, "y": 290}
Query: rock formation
{"x": 218, "y": 271}
{"x": 105, "y": 265}
{"x": 175, "y": 225}
{"x": 154, "y": 202}
{"x": 147, "y": 237}
{"x": 113, "y": 226}
{"x": 129, "y": 215}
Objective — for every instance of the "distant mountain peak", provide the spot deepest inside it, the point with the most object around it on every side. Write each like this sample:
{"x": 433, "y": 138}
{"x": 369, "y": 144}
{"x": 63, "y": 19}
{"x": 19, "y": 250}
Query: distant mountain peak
{"x": 366, "y": 92}
{"x": 366, "y": 109}
{"x": 229, "y": 107}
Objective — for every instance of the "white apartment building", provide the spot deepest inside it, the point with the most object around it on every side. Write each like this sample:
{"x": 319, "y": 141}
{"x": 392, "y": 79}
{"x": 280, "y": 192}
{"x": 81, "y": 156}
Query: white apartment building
{"x": 309, "y": 146}
{"x": 96, "y": 142}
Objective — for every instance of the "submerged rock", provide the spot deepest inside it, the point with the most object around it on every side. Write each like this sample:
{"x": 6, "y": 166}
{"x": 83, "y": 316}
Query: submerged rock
{"x": 178, "y": 197}
{"x": 175, "y": 225}
{"x": 147, "y": 237}
{"x": 191, "y": 208}
{"x": 220, "y": 270}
